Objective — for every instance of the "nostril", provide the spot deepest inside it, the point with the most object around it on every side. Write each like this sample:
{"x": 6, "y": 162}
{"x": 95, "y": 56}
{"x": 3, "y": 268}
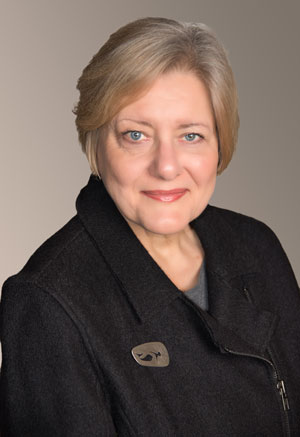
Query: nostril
{"x": 168, "y": 172}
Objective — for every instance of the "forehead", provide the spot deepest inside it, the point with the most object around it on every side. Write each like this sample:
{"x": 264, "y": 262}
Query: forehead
{"x": 175, "y": 94}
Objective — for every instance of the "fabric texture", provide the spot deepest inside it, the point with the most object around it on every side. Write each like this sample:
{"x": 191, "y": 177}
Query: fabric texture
{"x": 91, "y": 293}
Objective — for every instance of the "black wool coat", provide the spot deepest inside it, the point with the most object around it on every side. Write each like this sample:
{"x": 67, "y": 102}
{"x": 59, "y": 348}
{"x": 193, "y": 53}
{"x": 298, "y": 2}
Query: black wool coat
{"x": 92, "y": 293}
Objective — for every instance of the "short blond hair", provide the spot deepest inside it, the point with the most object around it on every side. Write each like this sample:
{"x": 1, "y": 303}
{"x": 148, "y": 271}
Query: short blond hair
{"x": 134, "y": 56}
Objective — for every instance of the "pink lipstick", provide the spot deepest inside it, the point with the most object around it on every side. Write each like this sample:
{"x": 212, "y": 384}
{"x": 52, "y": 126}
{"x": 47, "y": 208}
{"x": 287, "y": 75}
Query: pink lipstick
{"x": 166, "y": 195}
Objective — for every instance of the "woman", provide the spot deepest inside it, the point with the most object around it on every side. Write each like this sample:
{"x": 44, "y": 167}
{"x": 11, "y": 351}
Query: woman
{"x": 150, "y": 312}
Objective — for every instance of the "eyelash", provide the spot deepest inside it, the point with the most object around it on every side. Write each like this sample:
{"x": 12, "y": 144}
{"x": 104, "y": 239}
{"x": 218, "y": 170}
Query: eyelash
{"x": 125, "y": 134}
{"x": 198, "y": 136}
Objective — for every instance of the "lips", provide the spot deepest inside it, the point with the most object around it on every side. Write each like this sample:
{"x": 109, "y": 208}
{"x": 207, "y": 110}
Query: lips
{"x": 166, "y": 195}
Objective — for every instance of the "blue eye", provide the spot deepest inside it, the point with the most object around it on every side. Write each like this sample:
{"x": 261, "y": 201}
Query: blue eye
{"x": 191, "y": 137}
{"x": 135, "y": 135}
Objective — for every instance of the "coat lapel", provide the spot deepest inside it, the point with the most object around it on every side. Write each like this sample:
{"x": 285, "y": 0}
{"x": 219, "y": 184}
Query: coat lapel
{"x": 238, "y": 319}
{"x": 145, "y": 285}
{"x": 231, "y": 267}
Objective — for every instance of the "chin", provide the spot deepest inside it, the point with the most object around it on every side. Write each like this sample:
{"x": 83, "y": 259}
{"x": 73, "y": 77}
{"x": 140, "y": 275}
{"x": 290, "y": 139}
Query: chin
{"x": 166, "y": 227}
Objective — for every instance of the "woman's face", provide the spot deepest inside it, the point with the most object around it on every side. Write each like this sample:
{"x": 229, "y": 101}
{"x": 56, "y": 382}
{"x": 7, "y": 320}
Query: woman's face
{"x": 159, "y": 161}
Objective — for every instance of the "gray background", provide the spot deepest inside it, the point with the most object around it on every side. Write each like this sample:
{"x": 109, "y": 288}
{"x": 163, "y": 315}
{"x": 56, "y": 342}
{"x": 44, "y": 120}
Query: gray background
{"x": 45, "y": 45}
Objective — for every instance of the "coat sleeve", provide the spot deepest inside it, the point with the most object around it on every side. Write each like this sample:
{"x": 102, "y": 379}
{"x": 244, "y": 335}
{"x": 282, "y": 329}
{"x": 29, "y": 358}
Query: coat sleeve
{"x": 49, "y": 384}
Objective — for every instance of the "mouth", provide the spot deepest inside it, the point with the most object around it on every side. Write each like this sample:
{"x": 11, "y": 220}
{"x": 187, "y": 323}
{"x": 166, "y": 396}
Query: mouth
{"x": 166, "y": 195}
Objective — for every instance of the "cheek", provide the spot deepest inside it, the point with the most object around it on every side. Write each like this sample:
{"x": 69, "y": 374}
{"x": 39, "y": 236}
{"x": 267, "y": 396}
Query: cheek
{"x": 204, "y": 168}
{"x": 119, "y": 172}
{"x": 109, "y": 167}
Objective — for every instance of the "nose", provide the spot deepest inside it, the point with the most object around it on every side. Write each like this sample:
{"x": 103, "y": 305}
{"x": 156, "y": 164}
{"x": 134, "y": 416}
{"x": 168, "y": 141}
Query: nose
{"x": 166, "y": 161}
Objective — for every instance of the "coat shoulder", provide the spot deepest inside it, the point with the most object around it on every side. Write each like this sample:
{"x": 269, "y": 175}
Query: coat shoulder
{"x": 243, "y": 225}
{"x": 67, "y": 268}
{"x": 251, "y": 239}
{"x": 61, "y": 252}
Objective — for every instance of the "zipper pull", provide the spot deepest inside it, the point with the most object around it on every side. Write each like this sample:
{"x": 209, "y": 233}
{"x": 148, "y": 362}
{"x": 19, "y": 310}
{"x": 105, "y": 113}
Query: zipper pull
{"x": 282, "y": 392}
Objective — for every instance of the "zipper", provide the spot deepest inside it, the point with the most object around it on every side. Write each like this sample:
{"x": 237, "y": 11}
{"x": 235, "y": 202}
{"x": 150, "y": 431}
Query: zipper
{"x": 280, "y": 386}
{"x": 279, "y": 383}
{"x": 282, "y": 392}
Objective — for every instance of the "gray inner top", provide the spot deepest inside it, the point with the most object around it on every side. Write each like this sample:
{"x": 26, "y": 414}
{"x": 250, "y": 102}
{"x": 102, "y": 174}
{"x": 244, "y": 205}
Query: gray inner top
{"x": 199, "y": 293}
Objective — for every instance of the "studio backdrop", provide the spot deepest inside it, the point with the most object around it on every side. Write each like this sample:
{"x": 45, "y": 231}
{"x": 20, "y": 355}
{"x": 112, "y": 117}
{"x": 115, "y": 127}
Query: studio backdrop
{"x": 45, "y": 45}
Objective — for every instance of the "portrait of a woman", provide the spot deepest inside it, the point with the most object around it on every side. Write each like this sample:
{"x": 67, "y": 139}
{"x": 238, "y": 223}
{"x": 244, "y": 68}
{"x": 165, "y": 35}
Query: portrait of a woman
{"x": 152, "y": 313}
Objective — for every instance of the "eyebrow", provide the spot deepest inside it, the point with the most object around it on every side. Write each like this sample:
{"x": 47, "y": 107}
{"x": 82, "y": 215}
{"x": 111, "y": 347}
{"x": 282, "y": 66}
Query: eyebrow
{"x": 181, "y": 126}
{"x": 186, "y": 125}
{"x": 144, "y": 123}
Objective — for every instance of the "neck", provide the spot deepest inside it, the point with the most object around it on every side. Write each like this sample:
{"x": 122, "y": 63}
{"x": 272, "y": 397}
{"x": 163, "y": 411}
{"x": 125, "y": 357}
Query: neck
{"x": 180, "y": 255}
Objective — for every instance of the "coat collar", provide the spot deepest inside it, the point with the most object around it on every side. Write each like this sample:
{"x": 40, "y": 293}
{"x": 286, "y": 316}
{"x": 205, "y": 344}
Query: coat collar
{"x": 146, "y": 286}
{"x": 232, "y": 320}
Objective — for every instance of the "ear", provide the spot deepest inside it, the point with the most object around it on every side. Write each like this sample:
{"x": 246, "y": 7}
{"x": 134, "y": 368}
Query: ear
{"x": 220, "y": 156}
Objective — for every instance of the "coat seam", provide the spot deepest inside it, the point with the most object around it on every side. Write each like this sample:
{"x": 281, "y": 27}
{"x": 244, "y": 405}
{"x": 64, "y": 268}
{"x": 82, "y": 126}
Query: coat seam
{"x": 82, "y": 333}
{"x": 52, "y": 259}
